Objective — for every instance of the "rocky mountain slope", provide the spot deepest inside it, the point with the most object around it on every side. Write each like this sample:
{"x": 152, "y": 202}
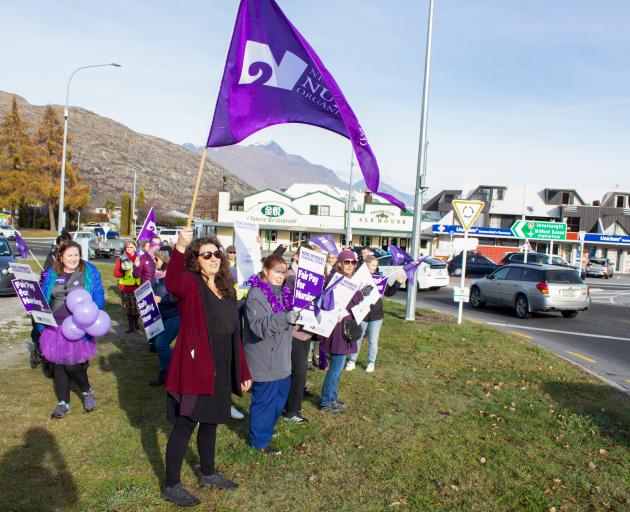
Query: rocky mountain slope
{"x": 108, "y": 153}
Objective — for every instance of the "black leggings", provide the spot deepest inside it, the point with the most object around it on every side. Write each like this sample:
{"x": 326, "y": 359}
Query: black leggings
{"x": 299, "y": 355}
{"x": 63, "y": 377}
{"x": 178, "y": 443}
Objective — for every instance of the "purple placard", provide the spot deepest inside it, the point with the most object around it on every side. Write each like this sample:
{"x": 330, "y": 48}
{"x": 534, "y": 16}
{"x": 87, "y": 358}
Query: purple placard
{"x": 380, "y": 282}
{"x": 148, "y": 310}
{"x": 34, "y": 301}
{"x": 309, "y": 279}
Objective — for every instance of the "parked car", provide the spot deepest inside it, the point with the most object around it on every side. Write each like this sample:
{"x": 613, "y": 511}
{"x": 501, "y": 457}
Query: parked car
{"x": 532, "y": 287}
{"x": 8, "y": 232}
{"x": 169, "y": 235}
{"x": 599, "y": 267}
{"x": 540, "y": 258}
{"x": 378, "y": 252}
{"x": 476, "y": 264}
{"x": 98, "y": 245}
{"x": 431, "y": 273}
{"x": 6, "y": 257}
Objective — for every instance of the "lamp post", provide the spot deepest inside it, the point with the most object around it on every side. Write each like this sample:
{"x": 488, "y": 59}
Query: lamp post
{"x": 61, "y": 219}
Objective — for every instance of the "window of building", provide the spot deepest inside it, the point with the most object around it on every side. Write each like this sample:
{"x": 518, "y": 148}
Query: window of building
{"x": 272, "y": 235}
{"x": 314, "y": 209}
{"x": 566, "y": 198}
{"x": 486, "y": 194}
{"x": 573, "y": 223}
{"x": 500, "y": 194}
{"x": 324, "y": 209}
{"x": 365, "y": 240}
{"x": 621, "y": 201}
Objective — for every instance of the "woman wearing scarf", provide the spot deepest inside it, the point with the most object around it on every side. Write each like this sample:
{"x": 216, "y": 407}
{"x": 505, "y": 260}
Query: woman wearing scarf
{"x": 207, "y": 364}
{"x": 268, "y": 325}
{"x": 127, "y": 284}
{"x": 144, "y": 266}
{"x": 69, "y": 358}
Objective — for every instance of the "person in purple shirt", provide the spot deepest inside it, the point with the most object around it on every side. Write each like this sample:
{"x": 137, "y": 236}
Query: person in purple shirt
{"x": 144, "y": 266}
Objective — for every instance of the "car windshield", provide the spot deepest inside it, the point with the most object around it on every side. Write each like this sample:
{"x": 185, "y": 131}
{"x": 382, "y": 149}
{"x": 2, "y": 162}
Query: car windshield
{"x": 597, "y": 261}
{"x": 562, "y": 277}
{"x": 5, "y": 250}
{"x": 434, "y": 262}
{"x": 558, "y": 260}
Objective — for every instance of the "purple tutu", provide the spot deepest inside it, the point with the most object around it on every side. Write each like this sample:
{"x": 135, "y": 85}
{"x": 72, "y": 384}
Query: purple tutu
{"x": 58, "y": 349}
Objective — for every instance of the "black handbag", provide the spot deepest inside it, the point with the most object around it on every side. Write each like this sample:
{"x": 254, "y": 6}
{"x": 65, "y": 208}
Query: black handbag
{"x": 350, "y": 329}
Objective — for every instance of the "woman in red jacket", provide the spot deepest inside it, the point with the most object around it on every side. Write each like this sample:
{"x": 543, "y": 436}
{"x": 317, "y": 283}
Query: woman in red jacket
{"x": 208, "y": 362}
{"x": 127, "y": 284}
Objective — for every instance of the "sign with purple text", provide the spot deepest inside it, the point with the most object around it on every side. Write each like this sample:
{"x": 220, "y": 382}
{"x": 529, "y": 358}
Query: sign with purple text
{"x": 34, "y": 301}
{"x": 309, "y": 279}
{"x": 148, "y": 310}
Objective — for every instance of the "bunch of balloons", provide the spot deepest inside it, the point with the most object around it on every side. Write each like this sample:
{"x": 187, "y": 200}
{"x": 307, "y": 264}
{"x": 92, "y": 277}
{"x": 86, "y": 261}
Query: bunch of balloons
{"x": 86, "y": 318}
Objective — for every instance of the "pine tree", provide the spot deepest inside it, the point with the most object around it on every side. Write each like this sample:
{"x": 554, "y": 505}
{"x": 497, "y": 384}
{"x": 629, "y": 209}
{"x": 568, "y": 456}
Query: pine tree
{"x": 125, "y": 215}
{"x": 17, "y": 154}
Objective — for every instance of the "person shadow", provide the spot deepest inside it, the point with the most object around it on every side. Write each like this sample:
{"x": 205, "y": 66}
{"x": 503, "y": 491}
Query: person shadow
{"x": 34, "y": 476}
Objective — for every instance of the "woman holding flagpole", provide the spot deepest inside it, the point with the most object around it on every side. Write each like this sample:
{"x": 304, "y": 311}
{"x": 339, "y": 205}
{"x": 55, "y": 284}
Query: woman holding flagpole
{"x": 208, "y": 362}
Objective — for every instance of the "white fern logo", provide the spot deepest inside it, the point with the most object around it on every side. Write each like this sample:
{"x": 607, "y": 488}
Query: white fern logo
{"x": 260, "y": 67}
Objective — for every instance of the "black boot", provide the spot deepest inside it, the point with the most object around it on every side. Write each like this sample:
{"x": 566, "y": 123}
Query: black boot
{"x": 160, "y": 380}
{"x": 131, "y": 321}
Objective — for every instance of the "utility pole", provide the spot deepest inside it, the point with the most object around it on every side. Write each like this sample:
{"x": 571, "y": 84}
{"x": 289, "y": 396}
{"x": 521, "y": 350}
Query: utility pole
{"x": 133, "y": 205}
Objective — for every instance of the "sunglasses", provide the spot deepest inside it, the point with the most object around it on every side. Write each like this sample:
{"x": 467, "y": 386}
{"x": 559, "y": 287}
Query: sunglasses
{"x": 349, "y": 262}
{"x": 231, "y": 252}
{"x": 206, "y": 255}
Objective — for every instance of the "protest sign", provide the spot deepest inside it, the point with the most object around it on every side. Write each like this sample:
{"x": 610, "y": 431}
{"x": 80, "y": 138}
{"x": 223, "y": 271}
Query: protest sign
{"x": 247, "y": 250}
{"x": 380, "y": 282}
{"x": 33, "y": 300}
{"x": 22, "y": 271}
{"x": 309, "y": 279}
{"x": 148, "y": 310}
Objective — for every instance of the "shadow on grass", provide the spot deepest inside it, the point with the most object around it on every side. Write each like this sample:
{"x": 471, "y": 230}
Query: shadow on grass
{"x": 595, "y": 407}
{"x": 34, "y": 476}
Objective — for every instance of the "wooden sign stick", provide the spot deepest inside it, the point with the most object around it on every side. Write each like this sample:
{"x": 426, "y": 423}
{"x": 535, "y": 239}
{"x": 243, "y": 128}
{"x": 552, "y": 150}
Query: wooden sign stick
{"x": 202, "y": 164}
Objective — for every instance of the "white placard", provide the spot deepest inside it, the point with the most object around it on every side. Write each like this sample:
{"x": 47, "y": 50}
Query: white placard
{"x": 248, "y": 254}
{"x": 363, "y": 278}
{"x": 470, "y": 244}
{"x": 22, "y": 271}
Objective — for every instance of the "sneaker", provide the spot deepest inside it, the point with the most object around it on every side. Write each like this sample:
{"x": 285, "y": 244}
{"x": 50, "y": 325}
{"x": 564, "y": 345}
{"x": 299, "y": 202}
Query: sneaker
{"x": 350, "y": 366}
{"x": 269, "y": 451}
{"x": 160, "y": 380}
{"x": 61, "y": 409}
{"x": 330, "y": 409}
{"x": 89, "y": 401}
{"x": 339, "y": 405}
{"x": 236, "y": 414}
{"x": 369, "y": 368}
{"x": 180, "y": 496}
{"x": 296, "y": 418}
{"x": 217, "y": 479}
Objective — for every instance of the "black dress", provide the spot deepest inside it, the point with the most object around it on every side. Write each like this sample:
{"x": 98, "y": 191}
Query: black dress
{"x": 221, "y": 321}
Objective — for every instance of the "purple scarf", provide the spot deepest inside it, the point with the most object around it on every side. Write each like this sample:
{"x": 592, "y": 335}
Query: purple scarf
{"x": 276, "y": 306}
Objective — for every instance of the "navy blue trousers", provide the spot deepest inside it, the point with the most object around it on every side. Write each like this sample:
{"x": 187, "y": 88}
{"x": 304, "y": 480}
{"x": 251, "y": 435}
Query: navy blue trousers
{"x": 268, "y": 399}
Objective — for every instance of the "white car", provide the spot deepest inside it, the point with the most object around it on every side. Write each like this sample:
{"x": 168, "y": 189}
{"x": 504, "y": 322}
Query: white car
{"x": 169, "y": 235}
{"x": 432, "y": 273}
{"x": 8, "y": 232}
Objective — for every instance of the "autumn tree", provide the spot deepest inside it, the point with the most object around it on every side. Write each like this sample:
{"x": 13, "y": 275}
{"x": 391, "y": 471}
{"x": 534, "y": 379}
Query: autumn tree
{"x": 17, "y": 154}
{"x": 207, "y": 206}
{"x": 125, "y": 215}
{"x": 49, "y": 140}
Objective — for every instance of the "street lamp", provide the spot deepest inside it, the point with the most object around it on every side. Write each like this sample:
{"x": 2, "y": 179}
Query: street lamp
{"x": 61, "y": 220}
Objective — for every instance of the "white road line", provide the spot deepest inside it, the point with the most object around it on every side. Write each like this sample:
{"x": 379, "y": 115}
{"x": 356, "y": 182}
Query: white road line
{"x": 556, "y": 331}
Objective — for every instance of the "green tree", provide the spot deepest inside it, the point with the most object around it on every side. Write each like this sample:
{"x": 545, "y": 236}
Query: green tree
{"x": 109, "y": 206}
{"x": 17, "y": 154}
{"x": 125, "y": 215}
{"x": 141, "y": 199}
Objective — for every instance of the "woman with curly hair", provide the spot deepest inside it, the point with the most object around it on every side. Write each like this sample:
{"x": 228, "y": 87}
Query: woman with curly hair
{"x": 208, "y": 362}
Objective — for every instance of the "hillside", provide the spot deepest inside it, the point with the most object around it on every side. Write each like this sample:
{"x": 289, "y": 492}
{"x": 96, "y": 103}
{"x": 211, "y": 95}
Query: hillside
{"x": 108, "y": 153}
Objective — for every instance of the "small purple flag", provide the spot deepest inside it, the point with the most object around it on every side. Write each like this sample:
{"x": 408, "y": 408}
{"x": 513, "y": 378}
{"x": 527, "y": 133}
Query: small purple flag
{"x": 410, "y": 268}
{"x": 325, "y": 243}
{"x": 149, "y": 229}
{"x": 327, "y": 298}
{"x": 21, "y": 246}
{"x": 273, "y": 76}
{"x": 399, "y": 256}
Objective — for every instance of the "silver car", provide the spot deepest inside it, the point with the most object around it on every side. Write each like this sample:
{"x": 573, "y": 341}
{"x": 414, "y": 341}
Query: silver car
{"x": 532, "y": 287}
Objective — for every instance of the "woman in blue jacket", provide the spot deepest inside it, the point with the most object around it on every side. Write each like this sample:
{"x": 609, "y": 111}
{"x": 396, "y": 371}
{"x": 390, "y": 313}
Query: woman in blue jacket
{"x": 69, "y": 358}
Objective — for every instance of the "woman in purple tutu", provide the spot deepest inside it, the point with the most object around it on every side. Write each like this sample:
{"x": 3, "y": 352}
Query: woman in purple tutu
{"x": 69, "y": 358}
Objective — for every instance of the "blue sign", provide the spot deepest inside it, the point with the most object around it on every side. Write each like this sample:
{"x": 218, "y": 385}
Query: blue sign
{"x": 450, "y": 229}
{"x": 606, "y": 239}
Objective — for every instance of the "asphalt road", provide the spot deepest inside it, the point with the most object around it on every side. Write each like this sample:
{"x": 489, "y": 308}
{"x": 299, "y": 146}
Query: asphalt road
{"x": 597, "y": 339}
{"x": 40, "y": 247}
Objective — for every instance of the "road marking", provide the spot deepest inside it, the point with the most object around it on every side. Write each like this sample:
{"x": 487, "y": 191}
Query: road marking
{"x": 521, "y": 335}
{"x": 557, "y": 331}
{"x": 581, "y": 356}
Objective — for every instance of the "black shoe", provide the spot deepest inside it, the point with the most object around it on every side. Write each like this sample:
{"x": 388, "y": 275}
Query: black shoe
{"x": 131, "y": 325}
{"x": 217, "y": 479}
{"x": 160, "y": 380}
{"x": 152, "y": 347}
{"x": 307, "y": 394}
{"x": 269, "y": 451}
{"x": 35, "y": 358}
{"x": 180, "y": 496}
{"x": 295, "y": 418}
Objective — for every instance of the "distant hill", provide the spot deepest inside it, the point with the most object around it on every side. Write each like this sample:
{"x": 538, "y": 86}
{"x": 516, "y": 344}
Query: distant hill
{"x": 108, "y": 153}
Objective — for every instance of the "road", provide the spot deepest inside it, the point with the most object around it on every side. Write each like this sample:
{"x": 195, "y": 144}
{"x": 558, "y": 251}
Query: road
{"x": 597, "y": 339}
{"x": 40, "y": 247}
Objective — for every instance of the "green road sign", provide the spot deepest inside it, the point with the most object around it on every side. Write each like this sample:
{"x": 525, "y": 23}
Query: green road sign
{"x": 539, "y": 230}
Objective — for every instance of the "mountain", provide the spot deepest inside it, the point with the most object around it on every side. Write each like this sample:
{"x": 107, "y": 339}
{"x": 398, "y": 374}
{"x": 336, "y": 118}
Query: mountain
{"x": 108, "y": 152}
{"x": 269, "y": 166}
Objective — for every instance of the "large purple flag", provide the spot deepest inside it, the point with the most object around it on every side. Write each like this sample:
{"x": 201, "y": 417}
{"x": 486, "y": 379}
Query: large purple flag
{"x": 149, "y": 228}
{"x": 20, "y": 245}
{"x": 273, "y": 76}
{"x": 326, "y": 243}
{"x": 399, "y": 256}
{"x": 410, "y": 268}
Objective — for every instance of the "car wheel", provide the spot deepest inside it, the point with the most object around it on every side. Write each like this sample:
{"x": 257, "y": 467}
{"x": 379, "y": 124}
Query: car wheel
{"x": 522, "y": 307}
{"x": 569, "y": 314}
{"x": 605, "y": 276}
{"x": 475, "y": 298}
{"x": 433, "y": 288}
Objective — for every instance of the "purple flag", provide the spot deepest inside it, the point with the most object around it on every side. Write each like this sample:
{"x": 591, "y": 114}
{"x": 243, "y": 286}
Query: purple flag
{"x": 326, "y": 243}
{"x": 327, "y": 298}
{"x": 399, "y": 256}
{"x": 21, "y": 247}
{"x": 149, "y": 229}
{"x": 273, "y": 76}
{"x": 410, "y": 268}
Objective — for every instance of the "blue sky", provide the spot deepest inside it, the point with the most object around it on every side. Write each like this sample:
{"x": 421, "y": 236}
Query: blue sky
{"x": 526, "y": 91}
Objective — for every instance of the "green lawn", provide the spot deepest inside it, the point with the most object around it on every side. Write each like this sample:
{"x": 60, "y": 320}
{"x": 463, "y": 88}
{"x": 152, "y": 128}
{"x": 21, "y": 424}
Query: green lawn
{"x": 454, "y": 418}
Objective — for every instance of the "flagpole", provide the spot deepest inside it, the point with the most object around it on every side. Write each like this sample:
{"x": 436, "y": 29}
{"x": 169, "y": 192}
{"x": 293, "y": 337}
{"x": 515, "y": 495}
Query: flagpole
{"x": 36, "y": 260}
{"x": 349, "y": 204}
{"x": 202, "y": 164}
{"x": 410, "y": 312}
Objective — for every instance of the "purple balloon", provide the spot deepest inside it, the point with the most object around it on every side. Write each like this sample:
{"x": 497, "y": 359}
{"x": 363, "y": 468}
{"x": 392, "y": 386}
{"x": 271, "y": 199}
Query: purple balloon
{"x": 85, "y": 313}
{"x": 71, "y": 330}
{"x": 76, "y": 297}
{"x": 101, "y": 325}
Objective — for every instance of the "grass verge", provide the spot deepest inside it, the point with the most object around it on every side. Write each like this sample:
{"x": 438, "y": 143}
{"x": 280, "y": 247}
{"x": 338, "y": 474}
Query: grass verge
{"x": 454, "y": 418}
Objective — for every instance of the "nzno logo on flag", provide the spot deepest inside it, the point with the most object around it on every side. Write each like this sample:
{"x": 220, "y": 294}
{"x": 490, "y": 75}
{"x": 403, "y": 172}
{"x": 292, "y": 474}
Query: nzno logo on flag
{"x": 260, "y": 66}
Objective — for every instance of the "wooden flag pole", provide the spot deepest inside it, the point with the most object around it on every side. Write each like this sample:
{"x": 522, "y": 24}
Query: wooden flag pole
{"x": 202, "y": 164}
